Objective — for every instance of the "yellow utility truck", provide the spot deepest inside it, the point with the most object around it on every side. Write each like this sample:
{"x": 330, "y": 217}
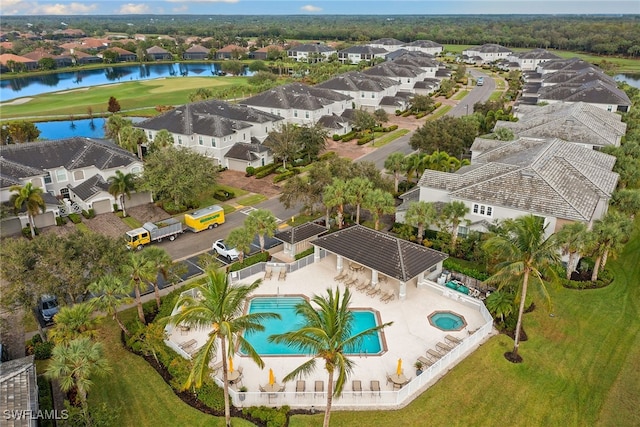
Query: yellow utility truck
{"x": 205, "y": 218}
{"x": 153, "y": 232}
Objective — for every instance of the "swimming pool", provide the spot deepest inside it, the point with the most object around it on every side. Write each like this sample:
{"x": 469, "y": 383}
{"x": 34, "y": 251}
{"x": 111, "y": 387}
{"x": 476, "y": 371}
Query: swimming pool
{"x": 447, "y": 320}
{"x": 285, "y": 307}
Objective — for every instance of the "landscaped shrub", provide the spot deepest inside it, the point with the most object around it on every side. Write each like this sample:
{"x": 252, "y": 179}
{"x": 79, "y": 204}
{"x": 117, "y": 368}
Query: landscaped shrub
{"x": 391, "y": 128}
{"x": 451, "y": 265}
{"x": 420, "y": 115}
{"x": 42, "y": 350}
{"x": 26, "y": 232}
{"x": 75, "y": 218}
{"x": 172, "y": 208}
{"x": 250, "y": 171}
{"x": 336, "y": 137}
{"x": 223, "y": 195}
{"x": 263, "y": 171}
{"x": 253, "y": 259}
{"x": 89, "y": 214}
{"x": 604, "y": 279}
{"x": 328, "y": 155}
{"x": 211, "y": 395}
{"x": 60, "y": 220}
{"x": 349, "y": 136}
{"x": 283, "y": 176}
{"x": 406, "y": 114}
{"x": 272, "y": 417}
{"x": 365, "y": 139}
{"x": 304, "y": 253}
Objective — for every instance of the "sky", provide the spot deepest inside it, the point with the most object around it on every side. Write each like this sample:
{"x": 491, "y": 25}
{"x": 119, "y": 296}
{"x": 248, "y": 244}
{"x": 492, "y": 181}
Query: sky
{"x": 312, "y": 7}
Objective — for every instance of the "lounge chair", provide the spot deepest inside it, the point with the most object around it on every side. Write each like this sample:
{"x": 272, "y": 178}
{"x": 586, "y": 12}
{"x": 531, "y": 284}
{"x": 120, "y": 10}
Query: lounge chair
{"x": 301, "y": 385}
{"x": 364, "y": 286}
{"x": 188, "y": 344}
{"x": 268, "y": 272}
{"x": 375, "y": 387}
{"x": 375, "y": 290}
{"x": 443, "y": 348}
{"x": 388, "y": 295}
{"x": 434, "y": 354}
{"x": 341, "y": 276}
{"x": 425, "y": 362}
{"x": 319, "y": 387}
{"x": 356, "y": 385}
{"x": 452, "y": 340}
{"x": 283, "y": 273}
{"x": 215, "y": 368}
{"x": 261, "y": 389}
{"x": 352, "y": 280}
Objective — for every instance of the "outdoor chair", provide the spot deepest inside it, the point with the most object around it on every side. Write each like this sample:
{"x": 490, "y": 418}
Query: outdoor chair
{"x": 375, "y": 290}
{"x": 341, "y": 275}
{"x": 215, "y": 368}
{"x": 348, "y": 277}
{"x": 452, "y": 340}
{"x": 389, "y": 295}
{"x": 425, "y": 362}
{"x": 375, "y": 387}
{"x": 268, "y": 272}
{"x": 364, "y": 286}
{"x": 442, "y": 347}
{"x": 283, "y": 274}
{"x": 354, "y": 281}
{"x": 300, "y": 386}
{"x": 434, "y": 354}
{"x": 319, "y": 387}
{"x": 357, "y": 387}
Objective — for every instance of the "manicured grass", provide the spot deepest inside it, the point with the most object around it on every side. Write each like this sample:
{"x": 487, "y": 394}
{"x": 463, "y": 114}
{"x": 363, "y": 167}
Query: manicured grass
{"x": 580, "y": 367}
{"x": 131, "y": 222}
{"x": 130, "y": 95}
{"x": 136, "y": 392}
{"x": 444, "y": 109}
{"x": 495, "y": 95}
{"x": 239, "y": 192}
{"x": 387, "y": 138}
{"x": 460, "y": 94}
{"x": 82, "y": 227}
{"x": 254, "y": 199}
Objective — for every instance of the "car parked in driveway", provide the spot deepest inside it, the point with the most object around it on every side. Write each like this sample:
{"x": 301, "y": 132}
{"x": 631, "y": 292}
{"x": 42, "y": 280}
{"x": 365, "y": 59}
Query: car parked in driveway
{"x": 231, "y": 254}
{"x": 48, "y": 307}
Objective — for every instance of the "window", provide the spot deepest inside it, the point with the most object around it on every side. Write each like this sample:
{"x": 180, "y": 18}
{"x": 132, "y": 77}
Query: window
{"x": 150, "y": 136}
{"x": 200, "y": 140}
{"x": 64, "y": 192}
{"x": 78, "y": 175}
{"x": 61, "y": 175}
{"x": 463, "y": 231}
{"x": 295, "y": 113}
{"x": 179, "y": 140}
{"x": 483, "y": 210}
{"x": 47, "y": 178}
{"x": 213, "y": 142}
{"x": 306, "y": 114}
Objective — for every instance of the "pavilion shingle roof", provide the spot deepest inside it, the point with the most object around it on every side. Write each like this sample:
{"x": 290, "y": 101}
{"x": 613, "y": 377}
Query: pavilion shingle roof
{"x": 393, "y": 257}
{"x": 300, "y": 233}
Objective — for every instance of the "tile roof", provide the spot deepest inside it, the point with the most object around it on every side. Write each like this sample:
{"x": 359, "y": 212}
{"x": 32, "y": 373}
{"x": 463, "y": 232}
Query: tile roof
{"x": 333, "y": 121}
{"x": 244, "y": 151}
{"x": 391, "y": 256}
{"x": 357, "y": 81}
{"x": 313, "y": 48}
{"x": 18, "y": 390}
{"x": 579, "y": 122}
{"x": 298, "y": 96}
{"x": 364, "y": 50}
{"x": 157, "y": 50}
{"x": 300, "y": 233}
{"x": 196, "y": 48}
{"x": 90, "y": 187}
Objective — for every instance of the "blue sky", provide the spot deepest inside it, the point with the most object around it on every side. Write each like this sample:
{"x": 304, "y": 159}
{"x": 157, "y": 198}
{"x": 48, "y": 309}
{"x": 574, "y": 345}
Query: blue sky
{"x": 311, "y": 7}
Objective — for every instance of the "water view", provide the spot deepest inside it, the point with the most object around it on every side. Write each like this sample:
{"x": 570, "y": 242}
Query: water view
{"x": 631, "y": 79}
{"x": 90, "y": 128}
{"x": 35, "y": 85}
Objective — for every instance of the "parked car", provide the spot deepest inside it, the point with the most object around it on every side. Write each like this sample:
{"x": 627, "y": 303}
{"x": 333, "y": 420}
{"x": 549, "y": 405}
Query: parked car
{"x": 48, "y": 307}
{"x": 480, "y": 81}
{"x": 221, "y": 248}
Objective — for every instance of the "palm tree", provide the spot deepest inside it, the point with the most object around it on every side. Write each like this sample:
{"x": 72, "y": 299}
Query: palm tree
{"x": 30, "y": 198}
{"x": 572, "y": 238}
{"x": 335, "y": 195}
{"x": 500, "y": 304}
{"x": 74, "y": 363}
{"x": 241, "y": 239}
{"x": 523, "y": 252}
{"x": 220, "y": 306}
{"x": 163, "y": 139}
{"x": 609, "y": 236}
{"x": 110, "y": 292}
{"x": 326, "y": 335}
{"x": 139, "y": 271}
{"x": 73, "y": 322}
{"x": 452, "y": 215}
{"x": 121, "y": 184}
{"x": 162, "y": 263}
{"x": 261, "y": 222}
{"x": 357, "y": 189}
{"x": 412, "y": 163}
{"x": 379, "y": 202}
{"x": 396, "y": 165}
{"x": 420, "y": 214}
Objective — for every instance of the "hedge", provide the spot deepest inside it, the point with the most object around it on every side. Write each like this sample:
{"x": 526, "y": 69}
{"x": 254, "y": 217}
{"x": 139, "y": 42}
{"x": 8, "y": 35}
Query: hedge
{"x": 365, "y": 139}
{"x": 451, "y": 265}
{"x": 328, "y": 155}
{"x": 283, "y": 176}
{"x": 604, "y": 279}
{"x": 75, "y": 218}
{"x": 272, "y": 417}
{"x": 263, "y": 171}
{"x": 304, "y": 253}
{"x": 250, "y": 171}
{"x": 254, "y": 259}
{"x": 349, "y": 136}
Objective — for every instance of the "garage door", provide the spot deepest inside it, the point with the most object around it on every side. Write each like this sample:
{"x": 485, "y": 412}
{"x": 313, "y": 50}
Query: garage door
{"x": 101, "y": 207}
{"x": 46, "y": 219}
{"x": 137, "y": 199}
{"x": 10, "y": 226}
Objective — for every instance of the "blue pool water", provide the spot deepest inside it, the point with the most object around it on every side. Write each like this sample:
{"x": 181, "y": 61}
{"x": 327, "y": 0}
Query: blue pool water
{"x": 285, "y": 307}
{"x": 447, "y": 321}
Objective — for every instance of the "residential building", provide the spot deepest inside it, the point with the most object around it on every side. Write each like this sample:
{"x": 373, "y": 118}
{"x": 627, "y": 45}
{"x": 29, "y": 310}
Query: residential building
{"x": 123, "y": 55}
{"x": 528, "y": 61}
{"x": 424, "y": 46}
{"x": 196, "y": 52}
{"x": 389, "y": 44}
{"x": 7, "y": 58}
{"x": 231, "y": 51}
{"x": 406, "y": 75}
{"x": 157, "y": 53}
{"x": 360, "y": 53}
{"x": 366, "y": 90}
{"x": 266, "y": 52}
{"x": 19, "y": 392}
{"x": 315, "y": 52}
{"x": 488, "y": 52}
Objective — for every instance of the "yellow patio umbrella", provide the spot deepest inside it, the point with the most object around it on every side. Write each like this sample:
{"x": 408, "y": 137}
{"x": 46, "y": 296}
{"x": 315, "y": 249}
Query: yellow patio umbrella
{"x": 399, "y": 369}
{"x": 272, "y": 378}
{"x": 230, "y": 365}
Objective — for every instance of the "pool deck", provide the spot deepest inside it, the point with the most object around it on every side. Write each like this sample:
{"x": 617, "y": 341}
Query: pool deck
{"x": 407, "y": 338}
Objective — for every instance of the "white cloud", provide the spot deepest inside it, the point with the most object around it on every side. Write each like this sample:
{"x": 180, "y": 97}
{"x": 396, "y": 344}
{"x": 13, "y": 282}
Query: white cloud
{"x": 134, "y": 9}
{"x": 311, "y": 8}
{"x": 67, "y": 9}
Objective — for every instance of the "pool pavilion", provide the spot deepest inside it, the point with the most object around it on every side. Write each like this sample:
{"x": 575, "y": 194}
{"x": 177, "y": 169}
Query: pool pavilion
{"x": 407, "y": 269}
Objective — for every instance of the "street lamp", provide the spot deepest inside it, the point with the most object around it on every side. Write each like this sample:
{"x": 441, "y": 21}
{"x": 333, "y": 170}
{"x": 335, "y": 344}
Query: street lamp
{"x": 467, "y": 109}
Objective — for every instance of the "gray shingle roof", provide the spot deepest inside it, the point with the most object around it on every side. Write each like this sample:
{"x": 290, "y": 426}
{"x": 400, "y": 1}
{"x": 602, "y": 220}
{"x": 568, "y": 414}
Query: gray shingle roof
{"x": 423, "y": 44}
{"x": 243, "y": 151}
{"x": 538, "y": 54}
{"x": 391, "y": 69}
{"x": 594, "y": 92}
{"x": 300, "y": 233}
{"x": 313, "y": 48}
{"x": 388, "y": 41}
{"x": 357, "y": 81}
{"x": 579, "y": 122}
{"x": 332, "y": 121}
{"x": 196, "y": 48}
{"x": 364, "y": 50}
{"x": 296, "y": 95}
{"x": 489, "y": 48}
{"x": 18, "y": 390}
{"x": 90, "y": 187}
{"x": 393, "y": 257}
{"x": 157, "y": 50}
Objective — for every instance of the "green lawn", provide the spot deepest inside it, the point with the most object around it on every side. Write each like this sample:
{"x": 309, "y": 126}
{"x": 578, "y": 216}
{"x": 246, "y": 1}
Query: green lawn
{"x": 388, "y": 137}
{"x": 251, "y": 200}
{"x": 444, "y": 109}
{"x": 580, "y": 367}
{"x": 138, "y": 394}
{"x": 460, "y": 95}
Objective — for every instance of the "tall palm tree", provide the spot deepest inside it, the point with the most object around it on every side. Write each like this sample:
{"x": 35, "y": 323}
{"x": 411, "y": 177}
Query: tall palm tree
{"x": 162, "y": 263}
{"x": 74, "y": 363}
{"x": 139, "y": 271}
{"x": 30, "y": 198}
{"x": 452, "y": 215}
{"x": 357, "y": 189}
{"x": 163, "y": 139}
{"x": 261, "y": 222}
{"x": 73, "y": 322}
{"x": 121, "y": 184}
{"x": 420, "y": 214}
{"x": 326, "y": 335}
{"x": 241, "y": 239}
{"x": 412, "y": 164}
{"x": 523, "y": 252}
{"x": 572, "y": 239}
{"x": 379, "y": 202}
{"x": 335, "y": 195}
{"x": 609, "y": 236}
{"x": 110, "y": 292}
{"x": 396, "y": 165}
{"x": 219, "y": 307}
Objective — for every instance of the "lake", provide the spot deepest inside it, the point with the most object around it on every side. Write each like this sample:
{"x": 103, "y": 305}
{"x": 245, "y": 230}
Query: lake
{"x": 69, "y": 128}
{"x": 35, "y": 85}
{"x": 632, "y": 79}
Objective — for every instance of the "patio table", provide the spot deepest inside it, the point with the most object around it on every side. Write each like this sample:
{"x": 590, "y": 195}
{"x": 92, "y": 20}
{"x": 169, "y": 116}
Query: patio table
{"x": 398, "y": 379}
{"x": 233, "y": 376}
{"x": 272, "y": 388}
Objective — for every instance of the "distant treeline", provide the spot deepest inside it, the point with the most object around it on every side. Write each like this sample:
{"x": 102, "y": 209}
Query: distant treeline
{"x": 602, "y": 35}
